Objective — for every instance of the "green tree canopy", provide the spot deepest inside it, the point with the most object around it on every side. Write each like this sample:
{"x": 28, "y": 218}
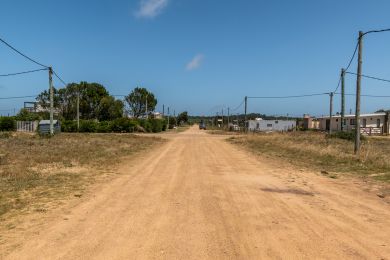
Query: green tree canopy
{"x": 182, "y": 118}
{"x": 136, "y": 101}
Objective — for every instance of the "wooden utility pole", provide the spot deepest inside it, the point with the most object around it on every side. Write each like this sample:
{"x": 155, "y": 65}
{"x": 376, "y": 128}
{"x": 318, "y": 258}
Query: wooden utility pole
{"x": 146, "y": 107}
{"x": 78, "y": 110}
{"x": 330, "y": 112}
{"x": 358, "y": 88}
{"x": 246, "y": 105}
{"x": 163, "y": 110}
{"x": 228, "y": 116}
{"x": 342, "y": 99}
{"x": 222, "y": 117}
{"x": 168, "y": 118}
{"x": 51, "y": 100}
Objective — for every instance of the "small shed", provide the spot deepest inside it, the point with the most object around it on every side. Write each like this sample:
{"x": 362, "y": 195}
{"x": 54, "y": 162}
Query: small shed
{"x": 44, "y": 126}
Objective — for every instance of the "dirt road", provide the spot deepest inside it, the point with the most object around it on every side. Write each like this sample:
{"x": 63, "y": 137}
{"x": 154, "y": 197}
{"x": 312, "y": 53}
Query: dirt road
{"x": 198, "y": 197}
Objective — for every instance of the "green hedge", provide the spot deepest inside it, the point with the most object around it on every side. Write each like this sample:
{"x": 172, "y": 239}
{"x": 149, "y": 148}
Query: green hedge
{"x": 7, "y": 124}
{"x": 120, "y": 125}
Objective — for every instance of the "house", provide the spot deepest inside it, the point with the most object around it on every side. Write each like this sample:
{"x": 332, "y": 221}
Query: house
{"x": 260, "y": 125}
{"x": 370, "y": 124}
{"x": 309, "y": 123}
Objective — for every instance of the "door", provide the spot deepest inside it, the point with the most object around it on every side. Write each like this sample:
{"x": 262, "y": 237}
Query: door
{"x": 327, "y": 124}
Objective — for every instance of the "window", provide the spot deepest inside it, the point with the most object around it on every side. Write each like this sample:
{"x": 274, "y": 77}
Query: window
{"x": 378, "y": 122}
{"x": 269, "y": 125}
{"x": 258, "y": 125}
{"x": 352, "y": 122}
{"x": 337, "y": 119}
{"x": 345, "y": 121}
{"x": 364, "y": 122}
{"x": 276, "y": 122}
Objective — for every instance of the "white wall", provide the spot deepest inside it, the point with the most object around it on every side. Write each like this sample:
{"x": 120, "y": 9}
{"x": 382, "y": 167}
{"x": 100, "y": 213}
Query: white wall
{"x": 271, "y": 125}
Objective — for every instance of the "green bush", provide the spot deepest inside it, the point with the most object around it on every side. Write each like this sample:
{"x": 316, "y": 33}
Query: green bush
{"x": 350, "y": 136}
{"x": 88, "y": 126}
{"x": 145, "y": 124}
{"x": 156, "y": 125}
{"x": 69, "y": 126}
{"x": 7, "y": 124}
{"x": 104, "y": 127}
{"x": 123, "y": 125}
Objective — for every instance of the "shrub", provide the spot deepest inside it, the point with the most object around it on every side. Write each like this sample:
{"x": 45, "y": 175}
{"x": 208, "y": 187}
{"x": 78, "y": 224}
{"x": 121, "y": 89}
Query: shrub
{"x": 156, "y": 125}
{"x": 88, "y": 126}
{"x": 350, "y": 136}
{"x": 104, "y": 127}
{"x": 7, "y": 124}
{"x": 69, "y": 126}
{"x": 123, "y": 125}
{"x": 145, "y": 124}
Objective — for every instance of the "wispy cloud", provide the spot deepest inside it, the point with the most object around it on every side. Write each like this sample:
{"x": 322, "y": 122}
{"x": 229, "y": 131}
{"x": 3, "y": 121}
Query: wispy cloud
{"x": 196, "y": 62}
{"x": 151, "y": 8}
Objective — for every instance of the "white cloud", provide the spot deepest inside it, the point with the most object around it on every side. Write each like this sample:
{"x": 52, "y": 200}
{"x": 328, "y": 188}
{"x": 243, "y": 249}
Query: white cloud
{"x": 195, "y": 62}
{"x": 151, "y": 8}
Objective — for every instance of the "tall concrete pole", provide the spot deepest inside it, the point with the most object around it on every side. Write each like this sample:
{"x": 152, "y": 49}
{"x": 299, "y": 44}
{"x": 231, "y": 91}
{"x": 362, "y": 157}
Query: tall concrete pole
{"x": 246, "y": 105}
{"x": 342, "y": 99}
{"x": 330, "y": 112}
{"x": 228, "y": 116}
{"x": 358, "y": 88}
{"x": 78, "y": 109}
{"x": 51, "y": 100}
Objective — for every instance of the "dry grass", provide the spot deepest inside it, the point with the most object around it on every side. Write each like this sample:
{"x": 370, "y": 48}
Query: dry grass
{"x": 315, "y": 150}
{"x": 35, "y": 171}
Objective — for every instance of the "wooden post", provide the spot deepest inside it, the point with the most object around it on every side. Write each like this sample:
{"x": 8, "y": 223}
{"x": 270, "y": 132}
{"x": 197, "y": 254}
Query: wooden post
{"x": 330, "y": 112}
{"x": 342, "y": 98}
{"x": 358, "y": 88}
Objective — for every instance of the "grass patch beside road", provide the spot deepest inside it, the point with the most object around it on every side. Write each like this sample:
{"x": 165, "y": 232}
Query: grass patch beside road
{"x": 316, "y": 151}
{"x": 36, "y": 171}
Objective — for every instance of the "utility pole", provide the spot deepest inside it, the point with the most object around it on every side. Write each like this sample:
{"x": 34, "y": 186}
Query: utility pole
{"x": 174, "y": 115}
{"x": 342, "y": 99}
{"x": 146, "y": 108}
{"x": 51, "y": 100}
{"x": 330, "y": 112}
{"x": 222, "y": 117}
{"x": 358, "y": 88}
{"x": 228, "y": 116}
{"x": 78, "y": 109}
{"x": 246, "y": 105}
{"x": 163, "y": 110}
{"x": 168, "y": 118}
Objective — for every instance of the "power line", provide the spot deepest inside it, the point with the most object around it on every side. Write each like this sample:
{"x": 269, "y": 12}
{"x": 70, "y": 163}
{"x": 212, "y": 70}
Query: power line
{"x": 297, "y": 96}
{"x": 370, "y": 77}
{"x": 19, "y": 73}
{"x": 2, "y": 98}
{"x": 338, "y": 85}
{"x": 20, "y": 53}
{"x": 376, "y": 31}
{"x": 58, "y": 77}
{"x": 372, "y": 96}
{"x": 353, "y": 56}
{"x": 238, "y": 106}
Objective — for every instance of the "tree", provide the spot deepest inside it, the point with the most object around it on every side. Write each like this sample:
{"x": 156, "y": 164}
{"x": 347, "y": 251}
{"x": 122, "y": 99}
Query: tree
{"x": 110, "y": 109}
{"x": 65, "y": 100}
{"x": 136, "y": 101}
{"x": 182, "y": 118}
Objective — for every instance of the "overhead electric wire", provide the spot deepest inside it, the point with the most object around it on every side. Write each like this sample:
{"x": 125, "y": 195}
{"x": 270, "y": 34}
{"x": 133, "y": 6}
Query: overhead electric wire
{"x": 369, "y": 77}
{"x": 377, "y": 31}
{"x": 19, "y": 73}
{"x": 353, "y": 56}
{"x": 238, "y": 106}
{"x": 297, "y": 96}
{"x": 58, "y": 77}
{"x": 2, "y": 98}
{"x": 373, "y": 96}
{"x": 20, "y": 53}
{"x": 338, "y": 85}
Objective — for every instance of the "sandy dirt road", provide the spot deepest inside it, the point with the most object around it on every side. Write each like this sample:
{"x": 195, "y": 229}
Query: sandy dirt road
{"x": 198, "y": 197}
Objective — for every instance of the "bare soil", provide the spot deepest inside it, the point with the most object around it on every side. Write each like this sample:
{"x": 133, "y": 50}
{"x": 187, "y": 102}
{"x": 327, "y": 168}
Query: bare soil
{"x": 200, "y": 197}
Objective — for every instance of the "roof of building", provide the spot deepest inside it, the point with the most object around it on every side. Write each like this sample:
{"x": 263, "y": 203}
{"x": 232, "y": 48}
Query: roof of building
{"x": 349, "y": 116}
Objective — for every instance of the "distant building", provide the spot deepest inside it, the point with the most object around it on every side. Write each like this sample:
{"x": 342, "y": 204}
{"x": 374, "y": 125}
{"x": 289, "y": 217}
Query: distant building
{"x": 370, "y": 124}
{"x": 260, "y": 125}
{"x": 309, "y": 123}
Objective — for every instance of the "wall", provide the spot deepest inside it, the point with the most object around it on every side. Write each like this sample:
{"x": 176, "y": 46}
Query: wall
{"x": 271, "y": 125}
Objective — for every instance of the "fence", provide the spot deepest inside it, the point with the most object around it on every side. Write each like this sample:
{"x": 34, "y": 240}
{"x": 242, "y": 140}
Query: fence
{"x": 26, "y": 126}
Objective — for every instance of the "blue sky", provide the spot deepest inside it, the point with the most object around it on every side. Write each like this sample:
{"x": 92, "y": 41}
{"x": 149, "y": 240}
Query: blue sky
{"x": 197, "y": 55}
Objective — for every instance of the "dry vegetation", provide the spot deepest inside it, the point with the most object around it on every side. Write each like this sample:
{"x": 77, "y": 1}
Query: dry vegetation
{"x": 36, "y": 171}
{"x": 316, "y": 151}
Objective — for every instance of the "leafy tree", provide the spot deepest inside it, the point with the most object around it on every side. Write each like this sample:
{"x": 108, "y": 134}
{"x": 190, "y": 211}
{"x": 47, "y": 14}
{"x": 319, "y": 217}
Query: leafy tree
{"x": 136, "y": 101}
{"x": 110, "y": 109}
{"x": 182, "y": 118}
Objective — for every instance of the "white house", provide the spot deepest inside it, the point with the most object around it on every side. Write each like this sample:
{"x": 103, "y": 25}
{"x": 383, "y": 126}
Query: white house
{"x": 261, "y": 125}
{"x": 377, "y": 123}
